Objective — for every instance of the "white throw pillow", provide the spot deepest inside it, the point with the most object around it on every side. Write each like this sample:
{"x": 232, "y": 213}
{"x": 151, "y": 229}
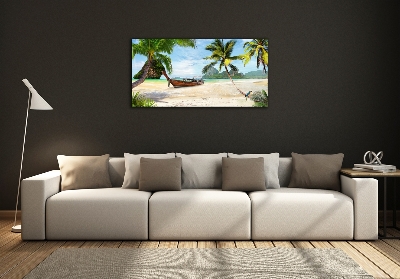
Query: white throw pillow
{"x": 271, "y": 165}
{"x": 132, "y": 167}
{"x": 201, "y": 171}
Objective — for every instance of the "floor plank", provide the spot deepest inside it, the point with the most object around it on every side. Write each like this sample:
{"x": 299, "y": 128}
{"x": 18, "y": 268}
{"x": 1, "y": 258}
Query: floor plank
{"x": 72, "y": 244}
{"x": 321, "y": 244}
{"x": 5, "y": 239}
{"x": 3, "y": 232}
{"x": 285, "y": 244}
{"x": 111, "y": 244}
{"x": 149, "y": 244}
{"x": 263, "y": 244}
{"x": 187, "y": 244}
{"x": 10, "y": 246}
{"x": 206, "y": 244}
{"x": 302, "y": 244}
{"x": 8, "y": 224}
{"x": 92, "y": 244}
{"x": 359, "y": 258}
{"x": 130, "y": 244}
{"x": 386, "y": 250}
{"x": 244, "y": 244}
{"x": 18, "y": 255}
{"x": 34, "y": 259}
{"x": 168, "y": 244}
{"x": 395, "y": 243}
{"x": 226, "y": 244}
{"x": 393, "y": 232}
{"x": 378, "y": 258}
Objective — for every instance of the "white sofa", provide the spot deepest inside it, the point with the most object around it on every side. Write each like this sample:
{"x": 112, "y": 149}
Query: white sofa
{"x": 198, "y": 214}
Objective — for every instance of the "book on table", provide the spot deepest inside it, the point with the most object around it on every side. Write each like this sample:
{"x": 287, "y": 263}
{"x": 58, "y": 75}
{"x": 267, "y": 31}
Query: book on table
{"x": 369, "y": 170}
{"x": 375, "y": 167}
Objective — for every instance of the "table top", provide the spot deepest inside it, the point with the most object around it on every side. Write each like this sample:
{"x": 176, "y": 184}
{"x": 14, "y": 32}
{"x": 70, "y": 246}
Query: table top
{"x": 352, "y": 173}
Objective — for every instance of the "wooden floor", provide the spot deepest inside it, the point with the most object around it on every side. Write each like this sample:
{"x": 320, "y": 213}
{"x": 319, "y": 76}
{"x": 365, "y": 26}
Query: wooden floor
{"x": 379, "y": 258}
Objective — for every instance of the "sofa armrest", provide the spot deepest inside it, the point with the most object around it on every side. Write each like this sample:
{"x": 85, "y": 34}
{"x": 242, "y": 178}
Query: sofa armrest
{"x": 35, "y": 191}
{"x": 364, "y": 192}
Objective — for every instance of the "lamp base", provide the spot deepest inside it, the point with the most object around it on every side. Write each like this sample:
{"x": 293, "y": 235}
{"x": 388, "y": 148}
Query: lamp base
{"x": 16, "y": 229}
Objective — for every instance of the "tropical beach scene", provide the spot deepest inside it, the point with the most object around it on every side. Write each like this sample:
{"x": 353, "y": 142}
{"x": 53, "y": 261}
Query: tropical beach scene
{"x": 199, "y": 72}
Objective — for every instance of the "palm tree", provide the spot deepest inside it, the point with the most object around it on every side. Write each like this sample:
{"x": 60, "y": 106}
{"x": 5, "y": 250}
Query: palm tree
{"x": 157, "y": 49}
{"x": 257, "y": 47}
{"x": 221, "y": 53}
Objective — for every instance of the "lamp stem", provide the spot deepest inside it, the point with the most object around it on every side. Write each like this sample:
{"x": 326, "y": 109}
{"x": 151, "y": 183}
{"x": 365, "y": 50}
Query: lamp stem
{"x": 22, "y": 158}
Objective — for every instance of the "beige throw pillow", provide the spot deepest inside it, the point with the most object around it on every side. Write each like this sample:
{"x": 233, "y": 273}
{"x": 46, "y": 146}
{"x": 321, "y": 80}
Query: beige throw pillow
{"x": 271, "y": 166}
{"x": 82, "y": 172}
{"x": 243, "y": 174}
{"x": 160, "y": 174}
{"x": 316, "y": 171}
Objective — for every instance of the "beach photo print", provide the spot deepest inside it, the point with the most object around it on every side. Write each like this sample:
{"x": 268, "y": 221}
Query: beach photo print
{"x": 199, "y": 73}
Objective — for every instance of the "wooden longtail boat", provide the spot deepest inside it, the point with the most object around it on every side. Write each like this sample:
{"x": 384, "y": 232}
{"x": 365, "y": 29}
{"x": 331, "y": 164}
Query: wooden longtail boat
{"x": 183, "y": 82}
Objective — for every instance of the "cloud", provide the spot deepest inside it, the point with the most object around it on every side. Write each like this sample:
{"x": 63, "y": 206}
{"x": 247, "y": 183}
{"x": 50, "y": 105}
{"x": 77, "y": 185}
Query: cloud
{"x": 188, "y": 68}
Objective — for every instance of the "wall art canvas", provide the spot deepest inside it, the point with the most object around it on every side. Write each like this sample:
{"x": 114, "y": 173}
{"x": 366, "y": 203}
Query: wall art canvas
{"x": 200, "y": 72}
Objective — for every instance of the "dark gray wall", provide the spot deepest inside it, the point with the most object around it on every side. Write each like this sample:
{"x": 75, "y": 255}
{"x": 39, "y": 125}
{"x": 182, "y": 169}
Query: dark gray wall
{"x": 333, "y": 80}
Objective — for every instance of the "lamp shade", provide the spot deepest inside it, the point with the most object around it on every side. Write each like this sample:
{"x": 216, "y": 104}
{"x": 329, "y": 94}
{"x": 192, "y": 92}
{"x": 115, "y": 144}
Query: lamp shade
{"x": 37, "y": 102}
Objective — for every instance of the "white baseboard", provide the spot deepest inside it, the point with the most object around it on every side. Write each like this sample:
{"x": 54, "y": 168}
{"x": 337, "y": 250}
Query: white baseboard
{"x": 5, "y": 214}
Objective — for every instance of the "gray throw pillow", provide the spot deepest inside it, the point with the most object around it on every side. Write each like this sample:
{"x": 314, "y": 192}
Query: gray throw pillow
{"x": 243, "y": 174}
{"x": 83, "y": 172}
{"x": 132, "y": 167}
{"x": 316, "y": 171}
{"x": 160, "y": 174}
{"x": 271, "y": 166}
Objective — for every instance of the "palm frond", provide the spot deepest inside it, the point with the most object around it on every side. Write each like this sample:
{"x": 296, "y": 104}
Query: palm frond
{"x": 257, "y": 47}
{"x": 165, "y": 60}
{"x": 246, "y": 59}
{"x": 265, "y": 56}
{"x": 229, "y": 48}
{"x": 186, "y": 42}
{"x": 218, "y": 43}
{"x": 233, "y": 67}
{"x": 221, "y": 64}
{"x": 208, "y": 67}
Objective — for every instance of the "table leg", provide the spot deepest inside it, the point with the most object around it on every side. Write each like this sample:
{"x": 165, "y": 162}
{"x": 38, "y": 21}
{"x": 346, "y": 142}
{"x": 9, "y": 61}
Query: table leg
{"x": 384, "y": 207}
{"x": 394, "y": 204}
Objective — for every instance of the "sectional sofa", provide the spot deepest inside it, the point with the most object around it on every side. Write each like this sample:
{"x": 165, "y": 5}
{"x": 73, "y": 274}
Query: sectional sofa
{"x": 201, "y": 209}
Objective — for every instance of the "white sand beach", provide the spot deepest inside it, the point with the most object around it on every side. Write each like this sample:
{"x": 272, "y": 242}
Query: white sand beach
{"x": 220, "y": 93}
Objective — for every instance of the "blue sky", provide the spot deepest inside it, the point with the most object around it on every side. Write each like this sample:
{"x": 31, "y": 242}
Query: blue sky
{"x": 188, "y": 62}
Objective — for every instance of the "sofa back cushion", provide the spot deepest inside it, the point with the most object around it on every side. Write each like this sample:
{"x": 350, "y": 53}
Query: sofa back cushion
{"x": 201, "y": 171}
{"x": 284, "y": 171}
{"x": 117, "y": 171}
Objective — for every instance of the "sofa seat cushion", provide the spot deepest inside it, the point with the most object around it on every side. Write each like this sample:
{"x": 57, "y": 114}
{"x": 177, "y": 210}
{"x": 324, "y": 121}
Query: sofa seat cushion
{"x": 199, "y": 214}
{"x": 301, "y": 214}
{"x": 97, "y": 214}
